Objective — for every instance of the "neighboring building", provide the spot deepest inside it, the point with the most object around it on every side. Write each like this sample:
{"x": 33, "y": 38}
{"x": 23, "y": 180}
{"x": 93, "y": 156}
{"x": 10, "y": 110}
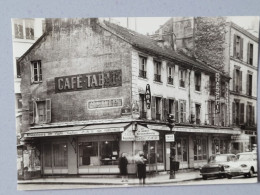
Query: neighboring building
{"x": 85, "y": 98}
{"x": 233, "y": 50}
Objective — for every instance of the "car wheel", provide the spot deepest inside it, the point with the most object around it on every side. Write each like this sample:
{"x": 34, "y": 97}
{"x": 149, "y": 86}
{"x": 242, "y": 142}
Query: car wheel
{"x": 229, "y": 176}
{"x": 251, "y": 172}
{"x": 245, "y": 175}
{"x": 204, "y": 177}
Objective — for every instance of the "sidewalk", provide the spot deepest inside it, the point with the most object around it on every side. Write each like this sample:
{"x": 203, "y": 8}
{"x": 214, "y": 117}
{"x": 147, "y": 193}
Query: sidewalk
{"x": 158, "y": 179}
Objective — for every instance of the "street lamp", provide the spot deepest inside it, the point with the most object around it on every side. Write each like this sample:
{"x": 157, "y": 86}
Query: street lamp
{"x": 171, "y": 120}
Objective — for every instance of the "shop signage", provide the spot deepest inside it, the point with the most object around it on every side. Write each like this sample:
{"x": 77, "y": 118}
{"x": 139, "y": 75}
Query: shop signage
{"x": 147, "y": 138}
{"x": 128, "y": 134}
{"x": 144, "y": 131}
{"x": 170, "y": 138}
{"x": 207, "y": 130}
{"x": 239, "y": 137}
{"x": 142, "y": 134}
{"x": 107, "y": 103}
{"x": 79, "y": 132}
{"x": 95, "y": 80}
{"x": 148, "y": 96}
{"x": 217, "y": 93}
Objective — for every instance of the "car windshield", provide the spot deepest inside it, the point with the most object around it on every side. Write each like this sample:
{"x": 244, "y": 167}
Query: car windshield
{"x": 244, "y": 157}
{"x": 219, "y": 158}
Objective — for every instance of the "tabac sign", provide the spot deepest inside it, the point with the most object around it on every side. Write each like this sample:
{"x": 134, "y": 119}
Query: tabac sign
{"x": 217, "y": 93}
{"x": 148, "y": 96}
{"x": 95, "y": 80}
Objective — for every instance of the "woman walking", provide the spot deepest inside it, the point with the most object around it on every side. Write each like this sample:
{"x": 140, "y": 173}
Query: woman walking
{"x": 141, "y": 168}
{"x": 123, "y": 167}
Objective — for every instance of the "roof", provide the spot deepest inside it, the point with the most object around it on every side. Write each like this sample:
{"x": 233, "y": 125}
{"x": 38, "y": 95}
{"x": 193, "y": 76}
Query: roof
{"x": 146, "y": 43}
{"x": 245, "y": 32}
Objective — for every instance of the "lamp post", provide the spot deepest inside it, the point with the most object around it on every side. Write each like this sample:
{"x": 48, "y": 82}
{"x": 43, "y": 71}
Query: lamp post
{"x": 171, "y": 121}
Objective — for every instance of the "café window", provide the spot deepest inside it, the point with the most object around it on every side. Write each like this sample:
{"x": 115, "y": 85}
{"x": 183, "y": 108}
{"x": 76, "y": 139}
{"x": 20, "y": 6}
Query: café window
{"x": 36, "y": 72}
{"x": 55, "y": 155}
{"x": 142, "y": 66}
{"x": 250, "y": 51}
{"x": 142, "y": 106}
{"x": 24, "y": 29}
{"x": 200, "y": 148}
{"x": 157, "y": 71}
{"x": 197, "y": 81}
{"x": 238, "y": 47}
{"x": 180, "y": 147}
{"x": 88, "y": 153}
{"x": 153, "y": 151}
{"x": 170, "y": 73}
{"x": 182, "y": 77}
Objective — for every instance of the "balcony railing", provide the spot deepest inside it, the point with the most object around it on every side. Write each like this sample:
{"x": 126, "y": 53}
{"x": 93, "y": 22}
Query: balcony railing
{"x": 157, "y": 77}
{"x": 142, "y": 74}
{"x": 158, "y": 116}
{"x": 182, "y": 83}
{"x": 197, "y": 87}
{"x": 143, "y": 115}
{"x": 170, "y": 80}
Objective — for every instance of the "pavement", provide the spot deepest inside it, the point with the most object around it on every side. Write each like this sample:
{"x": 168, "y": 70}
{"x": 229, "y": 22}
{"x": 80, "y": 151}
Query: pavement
{"x": 161, "y": 178}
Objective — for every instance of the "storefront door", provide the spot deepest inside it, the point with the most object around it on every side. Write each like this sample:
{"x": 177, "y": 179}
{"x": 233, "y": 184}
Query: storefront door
{"x": 179, "y": 150}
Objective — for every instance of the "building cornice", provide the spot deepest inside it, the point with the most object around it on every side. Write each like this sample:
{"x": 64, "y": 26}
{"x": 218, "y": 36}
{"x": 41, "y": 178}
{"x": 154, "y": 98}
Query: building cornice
{"x": 245, "y": 32}
{"x": 244, "y": 63}
{"x": 243, "y": 95}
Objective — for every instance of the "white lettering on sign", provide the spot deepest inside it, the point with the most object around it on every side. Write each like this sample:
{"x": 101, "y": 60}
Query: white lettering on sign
{"x": 144, "y": 131}
{"x": 170, "y": 138}
{"x": 147, "y": 138}
{"x": 217, "y": 93}
{"x": 107, "y": 103}
{"x": 128, "y": 134}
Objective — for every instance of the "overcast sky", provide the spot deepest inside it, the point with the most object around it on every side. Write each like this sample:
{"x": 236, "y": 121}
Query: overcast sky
{"x": 149, "y": 25}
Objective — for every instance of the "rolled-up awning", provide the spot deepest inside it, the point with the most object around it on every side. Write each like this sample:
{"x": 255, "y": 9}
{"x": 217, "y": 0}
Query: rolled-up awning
{"x": 76, "y": 130}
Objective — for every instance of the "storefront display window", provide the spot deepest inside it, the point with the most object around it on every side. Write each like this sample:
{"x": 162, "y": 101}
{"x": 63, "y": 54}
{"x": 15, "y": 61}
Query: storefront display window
{"x": 153, "y": 151}
{"x": 88, "y": 153}
{"x": 109, "y": 152}
{"x": 181, "y": 148}
{"x": 219, "y": 146}
{"x": 200, "y": 148}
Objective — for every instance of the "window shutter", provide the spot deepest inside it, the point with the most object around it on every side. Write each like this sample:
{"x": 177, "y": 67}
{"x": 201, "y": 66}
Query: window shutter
{"x": 234, "y": 80}
{"x": 166, "y": 111}
{"x": 153, "y": 108}
{"x": 247, "y": 114}
{"x": 163, "y": 109}
{"x": 240, "y": 81}
{"x": 234, "y": 112}
{"x": 32, "y": 73}
{"x": 247, "y": 84}
{"x": 31, "y": 112}
{"x": 177, "y": 111}
{"x": 248, "y": 52}
{"x": 234, "y": 47}
{"x": 48, "y": 110}
{"x": 241, "y": 48}
{"x": 184, "y": 112}
{"x": 242, "y": 114}
{"x": 253, "y": 115}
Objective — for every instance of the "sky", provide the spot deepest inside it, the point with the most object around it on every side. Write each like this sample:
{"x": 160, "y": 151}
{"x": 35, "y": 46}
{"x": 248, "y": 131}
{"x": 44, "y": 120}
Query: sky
{"x": 149, "y": 25}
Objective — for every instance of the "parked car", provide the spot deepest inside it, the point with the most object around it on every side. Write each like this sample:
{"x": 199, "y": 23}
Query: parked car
{"x": 215, "y": 166}
{"x": 246, "y": 164}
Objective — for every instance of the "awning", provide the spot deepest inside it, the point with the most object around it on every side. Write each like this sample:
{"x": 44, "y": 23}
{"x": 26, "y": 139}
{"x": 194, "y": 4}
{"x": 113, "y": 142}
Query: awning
{"x": 76, "y": 130}
{"x": 189, "y": 129}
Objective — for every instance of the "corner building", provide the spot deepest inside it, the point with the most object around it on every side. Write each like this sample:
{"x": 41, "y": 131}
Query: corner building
{"x": 83, "y": 91}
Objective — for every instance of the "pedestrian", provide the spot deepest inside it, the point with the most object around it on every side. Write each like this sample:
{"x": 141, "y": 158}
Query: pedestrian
{"x": 141, "y": 167}
{"x": 123, "y": 167}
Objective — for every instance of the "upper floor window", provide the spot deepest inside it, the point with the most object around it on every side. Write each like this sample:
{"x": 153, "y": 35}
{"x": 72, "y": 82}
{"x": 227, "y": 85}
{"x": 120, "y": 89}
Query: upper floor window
{"x": 250, "y": 50}
{"x": 197, "y": 110}
{"x": 249, "y": 84}
{"x": 182, "y": 105}
{"x": 197, "y": 81}
{"x": 250, "y": 114}
{"x": 238, "y": 47}
{"x": 182, "y": 77}
{"x": 24, "y": 29}
{"x": 170, "y": 72}
{"x": 212, "y": 85}
{"x": 36, "y": 71}
{"x": 142, "y": 106}
{"x": 158, "y": 108}
{"x": 157, "y": 71}
{"x": 237, "y": 80}
{"x": 142, "y": 66}
{"x": 18, "y": 69}
{"x": 40, "y": 111}
{"x": 223, "y": 88}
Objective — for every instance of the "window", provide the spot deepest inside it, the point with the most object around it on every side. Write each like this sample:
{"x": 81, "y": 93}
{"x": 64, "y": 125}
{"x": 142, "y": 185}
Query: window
{"x": 170, "y": 72}
{"x": 250, "y": 114}
{"x": 223, "y": 115}
{"x": 109, "y": 151}
{"x": 153, "y": 151}
{"x": 200, "y": 148}
{"x": 158, "y": 108}
{"x": 211, "y": 112}
{"x": 180, "y": 147}
{"x": 219, "y": 146}
{"x": 182, "y": 111}
{"x": 40, "y": 111}
{"x": 182, "y": 77}
{"x": 171, "y": 107}
{"x": 24, "y": 29}
{"x": 197, "y": 108}
{"x": 88, "y": 153}
{"x": 157, "y": 71}
{"x": 249, "y": 84}
{"x": 238, "y": 47}
{"x": 36, "y": 71}
{"x": 142, "y": 67}
{"x": 197, "y": 81}
{"x": 18, "y": 69}
{"x": 235, "y": 114}
{"x": 19, "y": 104}
{"x": 212, "y": 85}
{"x": 142, "y": 106}
{"x": 223, "y": 89}
{"x": 250, "y": 50}
{"x": 237, "y": 80}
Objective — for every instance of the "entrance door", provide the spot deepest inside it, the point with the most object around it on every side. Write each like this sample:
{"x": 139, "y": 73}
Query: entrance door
{"x": 179, "y": 150}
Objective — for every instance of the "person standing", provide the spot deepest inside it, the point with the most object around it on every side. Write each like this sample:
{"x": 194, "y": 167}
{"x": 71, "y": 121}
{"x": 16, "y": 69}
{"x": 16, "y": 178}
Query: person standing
{"x": 123, "y": 167}
{"x": 141, "y": 168}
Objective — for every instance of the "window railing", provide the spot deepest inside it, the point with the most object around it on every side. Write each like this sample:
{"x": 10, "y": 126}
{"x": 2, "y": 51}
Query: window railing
{"x": 143, "y": 115}
{"x": 142, "y": 74}
{"x": 197, "y": 87}
{"x": 158, "y": 116}
{"x": 170, "y": 80}
{"x": 182, "y": 83}
{"x": 157, "y": 77}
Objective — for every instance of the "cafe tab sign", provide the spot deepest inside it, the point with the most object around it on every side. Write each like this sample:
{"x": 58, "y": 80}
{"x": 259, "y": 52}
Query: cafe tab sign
{"x": 148, "y": 96}
{"x": 217, "y": 93}
{"x": 142, "y": 134}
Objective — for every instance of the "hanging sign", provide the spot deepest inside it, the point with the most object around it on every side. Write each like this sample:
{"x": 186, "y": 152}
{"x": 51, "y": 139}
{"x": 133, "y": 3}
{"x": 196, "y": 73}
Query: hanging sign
{"x": 128, "y": 134}
{"x": 142, "y": 134}
{"x": 148, "y": 96}
{"x": 169, "y": 138}
{"x": 144, "y": 131}
{"x": 217, "y": 93}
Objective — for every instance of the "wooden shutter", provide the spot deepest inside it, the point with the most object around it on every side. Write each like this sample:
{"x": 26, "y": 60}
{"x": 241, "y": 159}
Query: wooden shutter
{"x": 184, "y": 111}
{"x": 247, "y": 84}
{"x": 166, "y": 109}
{"x": 177, "y": 111}
{"x": 242, "y": 113}
{"x": 31, "y": 112}
{"x": 247, "y": 114}
{"x": 241, "y": 49}
{"x": 153, "y": 110}
{"x": 234, "y": 47}
{"x": 240, "y": 81}
{"x": 253, "y": 115}
{"x": 48, "y": 110}
{"x": 234, "y": 112}
{"x": 248, "y": 52}
{"x": 163, "y": 109}
{"x": 234, "y": 79}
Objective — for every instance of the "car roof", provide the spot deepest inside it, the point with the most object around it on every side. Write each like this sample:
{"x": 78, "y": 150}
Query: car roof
{"x": 223, "y": 155}
{"x": 246, "y": 153}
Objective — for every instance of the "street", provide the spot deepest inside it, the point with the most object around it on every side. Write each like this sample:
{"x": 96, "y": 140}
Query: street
{"x": 234, "y": 180}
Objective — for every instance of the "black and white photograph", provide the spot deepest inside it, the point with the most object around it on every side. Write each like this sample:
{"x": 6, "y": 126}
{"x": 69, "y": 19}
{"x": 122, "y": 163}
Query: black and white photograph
{"x": 135, "y": 101}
